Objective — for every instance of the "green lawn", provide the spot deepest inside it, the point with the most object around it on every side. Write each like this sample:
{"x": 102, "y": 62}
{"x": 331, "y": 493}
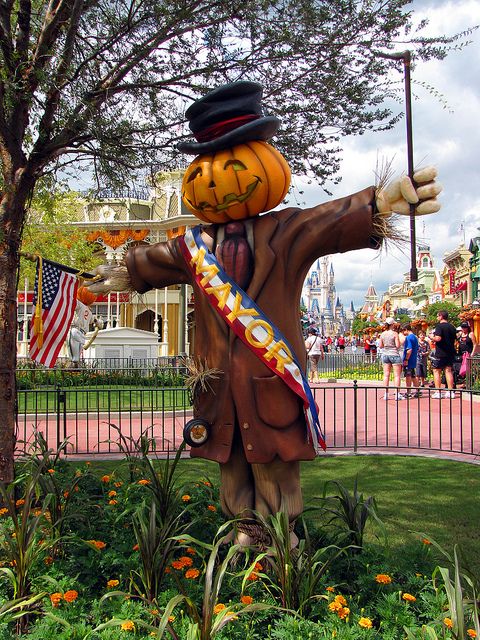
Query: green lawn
{"x": 440, "y": 498}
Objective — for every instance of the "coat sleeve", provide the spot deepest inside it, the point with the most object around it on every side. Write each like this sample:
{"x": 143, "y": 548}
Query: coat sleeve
{"x": 155, "y": 266}
{"x": 333, "y": 227}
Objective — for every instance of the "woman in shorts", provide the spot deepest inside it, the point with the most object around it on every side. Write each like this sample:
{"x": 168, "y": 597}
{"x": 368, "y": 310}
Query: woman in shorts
{"x": 391, "y": 358}
{"x": 314, "y": 347}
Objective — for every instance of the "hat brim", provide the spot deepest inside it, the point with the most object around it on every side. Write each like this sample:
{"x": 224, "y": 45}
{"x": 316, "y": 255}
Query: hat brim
{"x": 261, "y": 129}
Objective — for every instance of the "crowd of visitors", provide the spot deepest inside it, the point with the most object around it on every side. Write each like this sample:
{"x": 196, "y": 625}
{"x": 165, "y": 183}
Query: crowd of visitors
{"x": 445, "y": 350}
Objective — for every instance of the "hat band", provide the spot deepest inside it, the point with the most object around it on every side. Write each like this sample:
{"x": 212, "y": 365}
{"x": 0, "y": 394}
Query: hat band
{"x": 220, "y": 128}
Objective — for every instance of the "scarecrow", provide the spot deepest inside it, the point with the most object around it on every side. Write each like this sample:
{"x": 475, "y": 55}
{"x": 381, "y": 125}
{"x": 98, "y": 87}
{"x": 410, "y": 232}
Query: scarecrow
{"x": 254, "y": 411}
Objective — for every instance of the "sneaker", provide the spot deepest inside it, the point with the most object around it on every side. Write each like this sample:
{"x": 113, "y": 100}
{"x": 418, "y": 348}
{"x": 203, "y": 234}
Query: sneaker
{"x": 437, "y": 395}
{"x": 449, "y": 394}
{"x": 415, "y": 394}
{"x": 400, "y": 396}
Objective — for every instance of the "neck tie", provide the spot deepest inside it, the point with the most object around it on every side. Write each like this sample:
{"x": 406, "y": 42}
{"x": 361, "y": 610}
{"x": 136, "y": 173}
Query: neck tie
{"x": 234, "y": 254}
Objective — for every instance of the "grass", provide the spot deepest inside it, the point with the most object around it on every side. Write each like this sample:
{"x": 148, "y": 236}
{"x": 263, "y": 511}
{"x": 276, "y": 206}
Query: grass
{"x": 440, "y": 498}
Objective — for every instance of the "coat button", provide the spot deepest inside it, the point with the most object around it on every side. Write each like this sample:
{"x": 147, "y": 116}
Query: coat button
{"x": 250, "y": 447}
{"x": 245, "y": 425}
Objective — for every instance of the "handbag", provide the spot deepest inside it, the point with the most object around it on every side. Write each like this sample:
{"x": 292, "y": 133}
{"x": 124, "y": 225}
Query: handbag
{"x": 463, "y": 367}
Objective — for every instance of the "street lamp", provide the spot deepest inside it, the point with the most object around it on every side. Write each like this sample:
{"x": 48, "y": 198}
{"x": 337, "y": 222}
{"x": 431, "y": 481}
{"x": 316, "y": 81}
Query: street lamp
{"x": 405, "y": 57}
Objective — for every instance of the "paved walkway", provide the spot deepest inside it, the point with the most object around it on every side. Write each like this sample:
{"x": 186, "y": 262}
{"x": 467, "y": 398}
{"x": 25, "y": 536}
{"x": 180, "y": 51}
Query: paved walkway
{"x": 353, "y": 420}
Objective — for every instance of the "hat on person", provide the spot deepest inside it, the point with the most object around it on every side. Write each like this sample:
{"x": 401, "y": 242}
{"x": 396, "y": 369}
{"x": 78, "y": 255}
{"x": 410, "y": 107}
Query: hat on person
{"x": 389, "y": 321}
{"x": 229, "y": 115}
{"x": 464, "y": 325}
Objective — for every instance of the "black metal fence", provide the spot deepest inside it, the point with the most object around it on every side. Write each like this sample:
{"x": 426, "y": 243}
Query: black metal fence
{"x": 354, "y": 417}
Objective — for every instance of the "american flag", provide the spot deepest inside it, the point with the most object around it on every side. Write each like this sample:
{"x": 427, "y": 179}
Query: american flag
{"x": 54, "y": 310}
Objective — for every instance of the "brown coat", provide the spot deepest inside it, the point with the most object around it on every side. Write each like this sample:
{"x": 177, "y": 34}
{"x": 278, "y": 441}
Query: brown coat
{"x": 286, "y": 243}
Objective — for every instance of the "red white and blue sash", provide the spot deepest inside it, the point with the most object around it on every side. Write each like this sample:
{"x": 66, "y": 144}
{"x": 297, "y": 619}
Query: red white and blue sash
{"x": 250, "y": 324}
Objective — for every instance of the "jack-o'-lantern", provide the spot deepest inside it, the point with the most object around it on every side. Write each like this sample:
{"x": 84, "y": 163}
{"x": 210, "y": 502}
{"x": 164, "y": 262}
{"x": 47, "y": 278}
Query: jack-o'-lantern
{"x": 86, "y": 296}
{"x": 236, "y": 183}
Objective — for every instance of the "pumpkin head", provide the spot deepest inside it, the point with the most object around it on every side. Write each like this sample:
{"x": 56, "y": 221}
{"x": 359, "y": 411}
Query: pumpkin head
{"x": 86, "y": 296}
{"x": 236, "y": 183}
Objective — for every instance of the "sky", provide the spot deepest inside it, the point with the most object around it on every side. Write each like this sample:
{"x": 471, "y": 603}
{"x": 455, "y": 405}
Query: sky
{"x": 446, "y": 133}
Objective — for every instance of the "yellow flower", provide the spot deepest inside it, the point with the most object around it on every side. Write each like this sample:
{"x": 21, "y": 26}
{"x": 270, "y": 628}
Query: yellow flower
{"x": 448, "y": 623}
{"x": 105, "y": 479}
{"x": 71, "y": 595}
{"x": 212, "y": 507}
{"x": 343, "y": 612}
{"x": 127, "y": 626}
{"x": 191, "y": 574}
{"x": 331, "y": 589}
{"x": 408, "y": 597}
{"x": 383, "y": 578}
{"x": 113, "y": 583}
{"x": 144, "y": 481}
{"x": 366, "y": 623}
{"x": 218, "y": 607}
{"x": 186, "y": 498}
{"x": 246, "y": 599}
{"x": 472, "y": 633}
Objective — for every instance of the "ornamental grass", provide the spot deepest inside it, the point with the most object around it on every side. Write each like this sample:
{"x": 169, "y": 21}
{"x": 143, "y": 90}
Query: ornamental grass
{"x": 74, "y": 566}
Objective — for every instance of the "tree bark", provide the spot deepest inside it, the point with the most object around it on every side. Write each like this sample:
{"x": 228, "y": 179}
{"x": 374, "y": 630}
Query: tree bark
{"x": 12, "y": 214}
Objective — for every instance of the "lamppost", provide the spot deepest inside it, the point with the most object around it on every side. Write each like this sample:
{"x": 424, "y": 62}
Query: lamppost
{"x": 405, "y": 57}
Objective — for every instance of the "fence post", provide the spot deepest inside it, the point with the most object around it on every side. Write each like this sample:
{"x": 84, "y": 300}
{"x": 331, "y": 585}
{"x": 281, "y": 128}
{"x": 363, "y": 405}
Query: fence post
{"x": 355, "y": 416}
{"x": 61, "y": 413}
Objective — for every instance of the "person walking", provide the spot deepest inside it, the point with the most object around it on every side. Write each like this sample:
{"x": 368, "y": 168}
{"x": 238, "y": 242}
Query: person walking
{"x": 410, "y": 352}
{"x": 467, "y": 347}
{"x": 391, "y": 358}
{"x": 314, "y": 347}
{"x": 443, "y": 337}
{"x": 422, "y": 358}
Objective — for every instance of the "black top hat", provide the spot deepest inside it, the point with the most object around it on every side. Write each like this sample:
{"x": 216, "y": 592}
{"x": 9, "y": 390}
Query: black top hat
{"x": 228, "y": 115}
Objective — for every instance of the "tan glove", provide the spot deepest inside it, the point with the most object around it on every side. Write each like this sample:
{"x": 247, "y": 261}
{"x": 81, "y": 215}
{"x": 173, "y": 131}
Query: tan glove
{"x": 397, "y": 196}
{"x": 110, "y": 278}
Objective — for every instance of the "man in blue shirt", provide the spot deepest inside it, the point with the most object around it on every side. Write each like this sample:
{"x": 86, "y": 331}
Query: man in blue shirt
{"x": 410, "y": 351}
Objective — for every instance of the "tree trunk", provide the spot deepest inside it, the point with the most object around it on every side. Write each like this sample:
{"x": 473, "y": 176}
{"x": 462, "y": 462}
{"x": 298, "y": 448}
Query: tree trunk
{"x": 12, "y": 214}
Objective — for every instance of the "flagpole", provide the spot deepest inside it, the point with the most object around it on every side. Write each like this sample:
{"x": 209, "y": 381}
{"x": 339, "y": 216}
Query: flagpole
{"x": 82, "y": 274}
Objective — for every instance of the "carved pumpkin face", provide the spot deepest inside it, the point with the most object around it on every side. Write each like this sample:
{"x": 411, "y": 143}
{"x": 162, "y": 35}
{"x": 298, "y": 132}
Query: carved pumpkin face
{"x": 236, "y": 183}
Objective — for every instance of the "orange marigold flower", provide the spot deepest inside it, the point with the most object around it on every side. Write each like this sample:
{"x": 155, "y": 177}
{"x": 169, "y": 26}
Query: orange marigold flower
{"x": 340, "y": 599}
{"x": 87, "y": 464}
{"x": 111, "y": 494}
{"x": 113, "y": 583}
{"x": 252, "y": 576}
{"x": 246, "y": 600}
{"x": 426, "y": 541}
{"x": 154, "y": 612}
{"x": 144, "y": 481}
{"x": 71, "y": 595}
{"x": 51, "y": 471}
{"x": 207, "y": 483}
{"x": 20, "y": 502}
{"x": 135, "y": 547}
{"x": 4, "y": 511}
{"x": 48, "y": 560}
{"x": 113, "y": 502}
{"x": 366, "y": 623}
{"x": 191, "y": 551}
{"x": 98, "y": 543}
{"x": 171, "y": 619}
{"x": 117, "y": 484}
{"x": 66, "y": 494}
{"x": 258, "y": 567}
{"x": 219, "y": 607}
{"x": 343, "y": 612}
{"x": 168, "y": 570}
{"x": 334, "y": 606}
{"x": 105, "y": 479}
{"x": 187, "y": 562}
{"x": 408, "y": 597}
{"x": 212, "y": 507}
{"x": 448, "y": 623}
{"x": 177, "y": 564}
{"x": 383, "y": 578}
{"x": 471, "y": 633}
{"x": 191, "y": 574}
{"x": 127, "y": 626}
{"x": 186, "y": 498}
{"x": 55, "y": 598}
{"x": 76, "y": 488}
{"x": 331, "y": 589}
